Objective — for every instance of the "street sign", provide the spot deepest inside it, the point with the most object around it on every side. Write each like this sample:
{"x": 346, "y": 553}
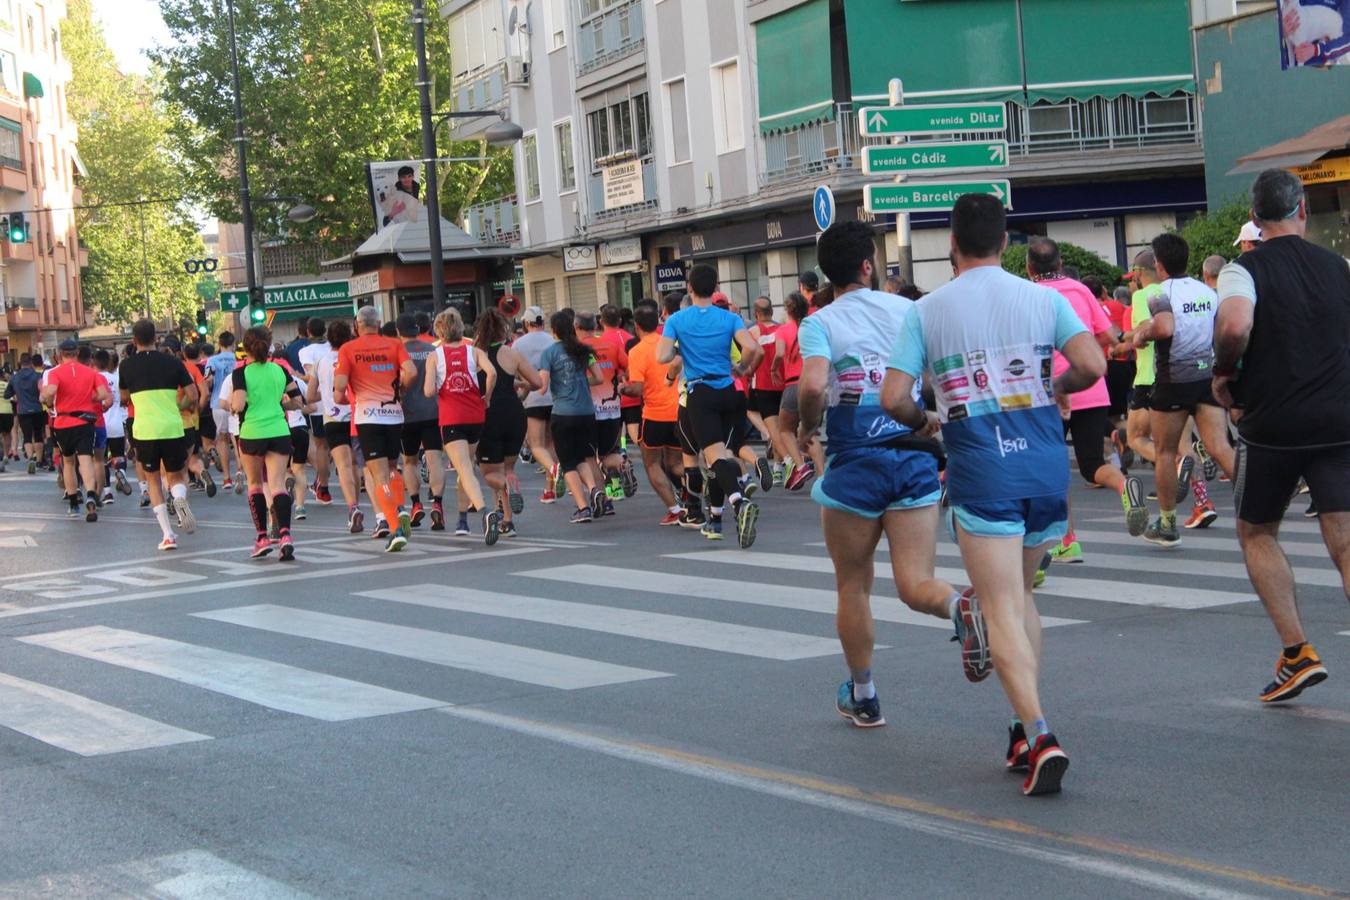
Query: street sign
{"x": 233, "y": 301}
{"x": 903, "y": 158}
{"x": 822, "y": 206}
{"x": 932, "y": 197}
{"x": 883, "y": 121}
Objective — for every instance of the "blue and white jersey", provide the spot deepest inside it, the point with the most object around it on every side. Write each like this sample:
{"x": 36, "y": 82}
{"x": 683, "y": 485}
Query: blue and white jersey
{"x": 988, "y": 338}
{"x": 856, "y": 334}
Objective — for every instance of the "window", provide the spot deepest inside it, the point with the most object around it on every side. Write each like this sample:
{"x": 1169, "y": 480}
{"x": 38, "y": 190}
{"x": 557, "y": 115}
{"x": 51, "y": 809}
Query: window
{"x": 476, "y": 40}
{"x": 555, "y": 23}
{"x": 11, "y": 144}
{"x": 567, "y": 169}
{"x": 642, "y": 122}
{"x": 593, "y": 7}
{"x": 728, "y": 129}
{"x": 623, "y": 127}
{"x": 677, "y": 107}
{"x": 599, "y": 125}
{"x": 9, "y": 74}
{"x": 530, "y": 154}
{"x": 621, "y": 116}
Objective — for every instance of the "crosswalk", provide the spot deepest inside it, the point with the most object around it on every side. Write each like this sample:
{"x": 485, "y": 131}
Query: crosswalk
{"x": 594, "y": 619}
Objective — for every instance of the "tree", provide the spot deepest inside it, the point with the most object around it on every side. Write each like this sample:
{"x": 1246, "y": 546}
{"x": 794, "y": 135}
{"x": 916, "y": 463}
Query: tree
{"x": 327, "y": 86}
{"x": 123, "y": 142}
{"x": 1212, "y": 233}
{"x": 1084, "y": 260}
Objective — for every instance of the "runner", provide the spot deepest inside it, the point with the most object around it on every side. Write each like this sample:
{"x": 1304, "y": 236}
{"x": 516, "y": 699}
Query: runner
{"x": 221, "y": 365}
{"x": 615, "y": 325}
{"x": 337, "y": 424}
{"x": 6, "y": 417}
{"x": 85, "y": 357}
{"x": 198, "y": 474}
{"x": 297, "y": 422}
{"x": 114, "y": 419}
{"x": 538, "y": 404}
{"x": 421, "y": 431}
{"x": 766, "y": 386}
{"x": 377, "y": 369}
{"x": 610, "y": 355}
{"x": 159, "y": 388}
{"x": 796, "y": 472}
{"x": 1007, "y": 483}
{"x": 504, "y": 421}
{"x": 309, "y": 356}
{"x": 78, "y": 397}
{"x": 24, "y": 388}
{"x": 569, "y": 370}
{"x": 452, "y": 378}
{"x": 702, "y": 337}
{"x": 262, "y": 393}
{"x": 1139, "y": 435}
{"x": 657, "y": 435}
{"x": 1280, "y": 351}
{"x": 880, "y": 477}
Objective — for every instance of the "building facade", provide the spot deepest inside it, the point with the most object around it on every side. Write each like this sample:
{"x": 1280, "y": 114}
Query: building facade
{"x": 664, "y": 132}
{"x": 39, "y": 172}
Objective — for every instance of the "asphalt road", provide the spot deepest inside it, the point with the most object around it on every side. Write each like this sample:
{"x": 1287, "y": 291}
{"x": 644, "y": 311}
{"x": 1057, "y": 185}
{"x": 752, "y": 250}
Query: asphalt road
{"x": 621, "y": 710}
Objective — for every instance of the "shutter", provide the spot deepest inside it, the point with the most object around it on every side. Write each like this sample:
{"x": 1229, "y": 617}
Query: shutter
{"x": 582, "y": 292}
{"x": 543, "y": 294}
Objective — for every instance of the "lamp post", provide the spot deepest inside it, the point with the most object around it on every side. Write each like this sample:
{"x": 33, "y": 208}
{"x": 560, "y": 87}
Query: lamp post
{"x": 241, "y": 148}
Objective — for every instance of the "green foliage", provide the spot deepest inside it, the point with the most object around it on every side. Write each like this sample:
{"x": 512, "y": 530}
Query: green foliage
{"x": 124, "y": 144}
{"x": 1085, "y": 261}
{"x": 327, "y": 86}
{"x": 1212, "y": 233}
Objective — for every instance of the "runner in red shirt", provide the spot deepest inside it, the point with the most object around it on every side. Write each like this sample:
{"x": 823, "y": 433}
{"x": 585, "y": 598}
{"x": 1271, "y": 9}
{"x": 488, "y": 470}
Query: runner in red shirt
{"x": 796, "y": 473}
{"x": 767, "y": 382}
{"x": 77, "y": 396}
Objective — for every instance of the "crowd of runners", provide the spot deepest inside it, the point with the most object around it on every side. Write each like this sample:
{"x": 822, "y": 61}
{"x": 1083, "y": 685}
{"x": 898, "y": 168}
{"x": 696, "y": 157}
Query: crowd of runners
{"x": 901, "y": 411}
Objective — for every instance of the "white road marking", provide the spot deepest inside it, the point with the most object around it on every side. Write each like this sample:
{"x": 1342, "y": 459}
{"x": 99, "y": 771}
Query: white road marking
{"x": 1170, "y": 565}
{"x": 78, "y": 724}
{"x": 190, "y": 875}
{"x": 1198, "y": 542}
{"x": 261, "y": 681}
{"x": 507, "y": 661}
{"x": 807, "y": 599}
{"x": 17, "y": 542}
{"x": 1300, "y": 709}
{"x": 1227, "y": 524}
{"x": 705, "y": 634}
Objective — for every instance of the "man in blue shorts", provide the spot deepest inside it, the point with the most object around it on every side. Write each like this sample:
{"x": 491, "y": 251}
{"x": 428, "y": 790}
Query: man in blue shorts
{"x": 880, "y": 476}
{"x": 988, "y": 338}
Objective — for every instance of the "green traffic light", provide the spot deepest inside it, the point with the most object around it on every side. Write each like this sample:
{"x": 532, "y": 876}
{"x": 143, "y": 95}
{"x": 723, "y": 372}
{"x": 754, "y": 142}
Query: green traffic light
{"x": 258, "y": 315}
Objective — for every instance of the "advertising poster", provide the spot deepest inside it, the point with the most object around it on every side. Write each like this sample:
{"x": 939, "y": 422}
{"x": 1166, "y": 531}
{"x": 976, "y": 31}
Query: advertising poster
{"x": 395, "y": 192}
{"x": 1314, "y": 33}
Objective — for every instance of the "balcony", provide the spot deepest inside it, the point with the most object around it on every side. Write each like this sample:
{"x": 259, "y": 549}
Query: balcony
{"x": 22, "y": 313}
{"x": 609, "y": 37}
{"x": 494, "y": 222}
{"x": 13, "y": 177}
{"x": 596, "y": 193}
{"x": 10, "y": 251}
{"x": 1072, "y": 126}
{"x": 284, "y": 260}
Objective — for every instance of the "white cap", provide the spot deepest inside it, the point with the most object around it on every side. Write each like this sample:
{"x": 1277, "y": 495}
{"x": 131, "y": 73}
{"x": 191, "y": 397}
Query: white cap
{"x": 1249, "y": 232}
{"x": 533, "y": 314}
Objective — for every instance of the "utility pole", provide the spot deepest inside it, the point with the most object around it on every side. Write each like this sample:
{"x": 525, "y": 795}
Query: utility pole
{"x": 429, "y": 158}
{"x": 904, "y": 253}
{"x": 241, "y": 146}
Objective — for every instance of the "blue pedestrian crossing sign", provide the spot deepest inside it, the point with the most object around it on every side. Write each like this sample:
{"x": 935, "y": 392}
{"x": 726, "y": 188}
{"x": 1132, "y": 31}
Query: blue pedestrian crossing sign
{"x": 822, "y": 206}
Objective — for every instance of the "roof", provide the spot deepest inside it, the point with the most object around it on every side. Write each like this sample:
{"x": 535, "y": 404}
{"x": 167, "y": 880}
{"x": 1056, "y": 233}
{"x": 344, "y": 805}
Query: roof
{"x": 1299, "y": 151}
{"x": 410, "y": 242}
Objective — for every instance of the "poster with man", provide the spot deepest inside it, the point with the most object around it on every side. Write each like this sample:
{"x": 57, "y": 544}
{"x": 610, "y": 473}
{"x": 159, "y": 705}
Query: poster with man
{"x": 395, "y": 192}
{"x": 1314, "y": 33}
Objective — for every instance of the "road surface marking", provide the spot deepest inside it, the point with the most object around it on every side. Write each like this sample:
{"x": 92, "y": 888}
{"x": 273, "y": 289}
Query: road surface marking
{"x": 704, "y": 634}
{"x": 1287, "y": 709}
{"x": 1225, "y": 525}
{"x": 261, "y": 681}
{"x": 507, "y": 661}
{"x": 190, "y": 875}
{"x": 1198, "y": 542}
{"x": 1172, "y": 565}
{"x": 78, "y": 724}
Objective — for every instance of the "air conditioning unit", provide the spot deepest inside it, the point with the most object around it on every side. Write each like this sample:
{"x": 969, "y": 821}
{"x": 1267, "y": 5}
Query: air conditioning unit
{"x": 517, "y": 70}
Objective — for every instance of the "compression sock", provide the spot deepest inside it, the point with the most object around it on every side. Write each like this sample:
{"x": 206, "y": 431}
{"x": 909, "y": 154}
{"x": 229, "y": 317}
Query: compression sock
{"x": 728, "y": 476}
{"x": 162, "y": 516}
{"x": 384, "y": 500}
{"x": 863, "y": 688}
{"x": 693, "y": 481}
{"x": 257, "y": 507}
{"x": 1037, "y": 729}
{"x": 1201, "y": 491}
{"x": 281, "y": 507}
{"x": 397, "y": 489}
{"x": 1168, "y": 518}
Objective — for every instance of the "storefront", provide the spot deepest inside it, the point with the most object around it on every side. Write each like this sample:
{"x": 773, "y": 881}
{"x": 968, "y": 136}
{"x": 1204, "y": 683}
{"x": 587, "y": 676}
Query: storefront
{"x": 289, "y": 306}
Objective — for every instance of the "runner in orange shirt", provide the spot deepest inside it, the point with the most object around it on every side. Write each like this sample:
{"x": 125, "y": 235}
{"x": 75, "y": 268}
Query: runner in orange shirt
{"x": 653, "y": 383}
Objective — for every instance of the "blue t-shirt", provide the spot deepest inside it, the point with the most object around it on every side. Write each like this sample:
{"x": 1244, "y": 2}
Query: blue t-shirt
{"x": 989, "y": 338}
{"x": 221, "y": 366}
{"x": 705, "y": 335}
{"x": 567, "y": 382}
{"x": 26, "y": 384}
{"x": 856, "y": 333}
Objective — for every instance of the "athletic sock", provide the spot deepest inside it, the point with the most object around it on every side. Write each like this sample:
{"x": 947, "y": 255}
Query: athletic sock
{"x": 675, "y": 510}
{"x": 397, "y": 490}
{"x": 257, "y": 506}
{"x": 162, "y": 516}
{"x": 178, "y": 491}
{"x": 1037, "y": 729}
{"x": 1295, "y": 650}
{"x": 863, "y": 688}
{"x": 281, "y": 506}
{"x": 1201, "y": 491}
{"x": 1168, "y": 518}
{"x": 1069, "y": 538}
{"x": 384, "y": 500}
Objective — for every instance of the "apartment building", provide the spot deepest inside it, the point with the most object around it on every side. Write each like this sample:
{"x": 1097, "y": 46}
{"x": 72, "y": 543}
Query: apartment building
{"x": 665, "y": 132}
{"x": 39, "y": 169}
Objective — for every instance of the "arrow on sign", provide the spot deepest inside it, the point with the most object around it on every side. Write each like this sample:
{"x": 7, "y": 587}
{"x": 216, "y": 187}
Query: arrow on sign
{"x": 877, "y": 120}
{"x": 998, "y": 191}
{"x": 998, "y": 153}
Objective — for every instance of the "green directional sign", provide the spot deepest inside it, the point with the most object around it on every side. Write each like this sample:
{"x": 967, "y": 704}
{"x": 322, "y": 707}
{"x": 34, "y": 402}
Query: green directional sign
{"x": 946, "y": 118}
{"x": 291, "y": 296}
{"x": 934, "y": 157}
{"x": 934, "y": 197}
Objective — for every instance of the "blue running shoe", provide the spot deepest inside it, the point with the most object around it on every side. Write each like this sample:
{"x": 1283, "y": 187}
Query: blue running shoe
{"x": 863, "y": 713}
{"x": 712, "y": 529}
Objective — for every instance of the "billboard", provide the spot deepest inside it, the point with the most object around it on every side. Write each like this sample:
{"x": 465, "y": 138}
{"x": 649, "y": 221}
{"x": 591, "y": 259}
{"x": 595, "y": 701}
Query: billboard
{"x": 395, "y": 192}
{"x": 1314, "y": 33}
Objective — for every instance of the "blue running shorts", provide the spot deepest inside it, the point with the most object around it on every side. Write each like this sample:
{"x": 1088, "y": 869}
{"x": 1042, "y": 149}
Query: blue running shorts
{"x": 871, "y": 481}
{"x": 1035, "y": 521}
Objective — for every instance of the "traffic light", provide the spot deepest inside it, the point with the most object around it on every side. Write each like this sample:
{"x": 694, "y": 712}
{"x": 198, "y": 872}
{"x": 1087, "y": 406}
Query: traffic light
{"x": 257, "y": 315}
{"x": 18, "y": 228}
{"x": 201, "y": 323}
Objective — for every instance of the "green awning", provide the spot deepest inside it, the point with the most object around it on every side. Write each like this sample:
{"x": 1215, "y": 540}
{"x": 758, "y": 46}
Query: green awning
{"x": 343, "y": 311}
{"x": 942, "y": 51}
{"x": 794, "y": 67}
{"x": 12, "y": 126}
{"x": 32, "y": 86}
{"x": 1136, "y": 48}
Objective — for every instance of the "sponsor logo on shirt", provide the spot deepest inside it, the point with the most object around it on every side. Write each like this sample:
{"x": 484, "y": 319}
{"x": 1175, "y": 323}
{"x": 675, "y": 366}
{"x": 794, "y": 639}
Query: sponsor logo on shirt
{"x": 1015, "y": 401}
{"x": 976, "y": 357}
{"x": 948, "y": 363}
{"x": 1015, "y": 367}
{"x": 956, "y": 381}
{"x": 881, "y": 425}
{"x": 956, "y": 413}
{"x": 1009, "y": 445}
{"x": 981, "y": 379}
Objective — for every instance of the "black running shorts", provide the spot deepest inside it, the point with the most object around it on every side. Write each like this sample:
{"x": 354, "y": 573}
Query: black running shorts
{"x": 573, "y": 439}
{"x": 607, "y": 434}
{"x": 659, "y": 435}
{"x": 424, "y": 435}
{"x": 76, "y": 441}
{"x": 503, "y": 433}
{"x": 380, "y": 441}
{"x": 338, "y": 434}
{"x": 264, "y": 446}
{"x": 766, "y": 403}
{"x": 1183, "y": 397}
{"x": 714, "y": 414}
{"x": 170, "y": 454}
{"x": 1266, "y": 479}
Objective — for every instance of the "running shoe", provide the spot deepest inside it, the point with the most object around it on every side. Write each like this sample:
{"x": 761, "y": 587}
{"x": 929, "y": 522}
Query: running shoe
{"x": 170, "y": 542}
{"x": 437, "y": 516}
{"x": 747, "y": 514}
{"x": 196, "y": 485}
{"x": 322, "y": 494}
{"x": 1018, "y": 748}
{"x": 1136, "y": 512}
{"x": 613, "y": 491}
{"x": 1152, "y": 494}
{"x": 1039, "y": 578}
{"x": 356, "y": 521}
{"x": 507, "y": 530}
{"x": 514, "y": 498}
{"x": 227, "y": 485}
{"x": 1303, "y": 487}
{"x": 1122, "y": 448}
{"x": 787, "y": 471}
{"x": 90, "y": 508}
{"x": 692, "y": 518}
{"x": 210, "y": 483}
{"x": 424, "y": 471}
{"x": 548, "y": 496}
{"x": 299, "y": 513}
{"x": 609, "y": 506}
{"x": 32, "y": 466}
{"x": 462, "y": 526}
{"x": 597, "y": 503}
{"x": 558, "y": 480}
{"x": 108, "y": 498}
{"x": 628, "y": 479}
{"x": 381, "y": 529}
{"x": 213, "y": 458}
{"x": 1163, "y": 536}
{"x": 712, "y": 529}
{"x": 396, "y": 543}
{"x": 261, "y": 547}
{"x": 1067, "y": 553}
{"x": 145, "y": 501}
{"x": 239, "y": 483}
{"x": 1185, "y": 469}
{"x": 491, "y": 520}
{"x": 976, "y": 659}
{"x": 72, "y": 506}
{"x": 1202, "y": 516}
{"x": 670, "y": 518}
{"x": 777, "y": 476}
{"x": 186, "y": 520}
{"x": 1311, "y": 511}
{"x": 800, "y": 476}
{"x": 123, "y": 486}
{"x": 1208, "y": 467}
{"x": 290, "y": 486}
{"x": 863, "y": 713}
{"x": 418, "y": 514}
{"x": 1293, "y": 675}
{"x": 287, "y": 551}
{"x": 1046, "y": 764}
{"x": 581, "y": 516}
{"x": 749, "y": 486}
{"x": 525, "y": 455}
{"x": 404, "y": 524}
{"x": 765, "y": 471}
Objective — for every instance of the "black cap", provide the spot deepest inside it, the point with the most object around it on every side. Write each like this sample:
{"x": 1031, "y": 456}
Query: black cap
{"x": 809, "y": 280}
{"x": 171, "y": 343}
{"x": 70, "y": 345}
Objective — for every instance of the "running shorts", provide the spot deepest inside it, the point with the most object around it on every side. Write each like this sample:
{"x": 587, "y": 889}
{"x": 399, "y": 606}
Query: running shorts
{"x": 100, "y": 438}
{"x": 222, "y": 419}
{"x": 538, "y": 412}
{"x": 117, "y": 447}
{"x": 170, "y": 454}
{"x": 1088, "y": 427}
{"x": 659, "y": 435}
{"x": 766, "y": 403}
{"x": 503, "y": 434}
{"x": 206, "y": 427}
{"x": 1266, "y": 479}
{"x": 1119, "y": 376}
{"x": 714, "y": 414}
{"x": 299, "y": 446}
{"x": 631, "y": 415}
{"x": 607, "y": 434}
{"x": 33, "y": 426}
{"x": 193, "y": 440}
{"x": 264, "y": 446}
{"x": 685, "y": 432}
{"x": 1183, "y": 397}
{"x": 316, "y": 425}
{"x": 789, "y": 404}
{"x": 469, "y": 433}
{"x": 338, "y": 434}
{"x": 1141, "y": 398}
{"x": 573, "y": 440}
{"x": 872, "y": 481}
{"x": 75, "y": 441}
{"x": 424, "y": 435}
{"x": 6, "y": 423}
{"x": 380, "y": 441}
{"x": 1036, "y": 521}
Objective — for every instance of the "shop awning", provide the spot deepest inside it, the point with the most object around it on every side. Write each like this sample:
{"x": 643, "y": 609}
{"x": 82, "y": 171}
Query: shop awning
{"x": 1298, "y": 151}
{"x": 11, "y": 126}
{"x": 794, "y": 67}
{"x": 32, "y": 86}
